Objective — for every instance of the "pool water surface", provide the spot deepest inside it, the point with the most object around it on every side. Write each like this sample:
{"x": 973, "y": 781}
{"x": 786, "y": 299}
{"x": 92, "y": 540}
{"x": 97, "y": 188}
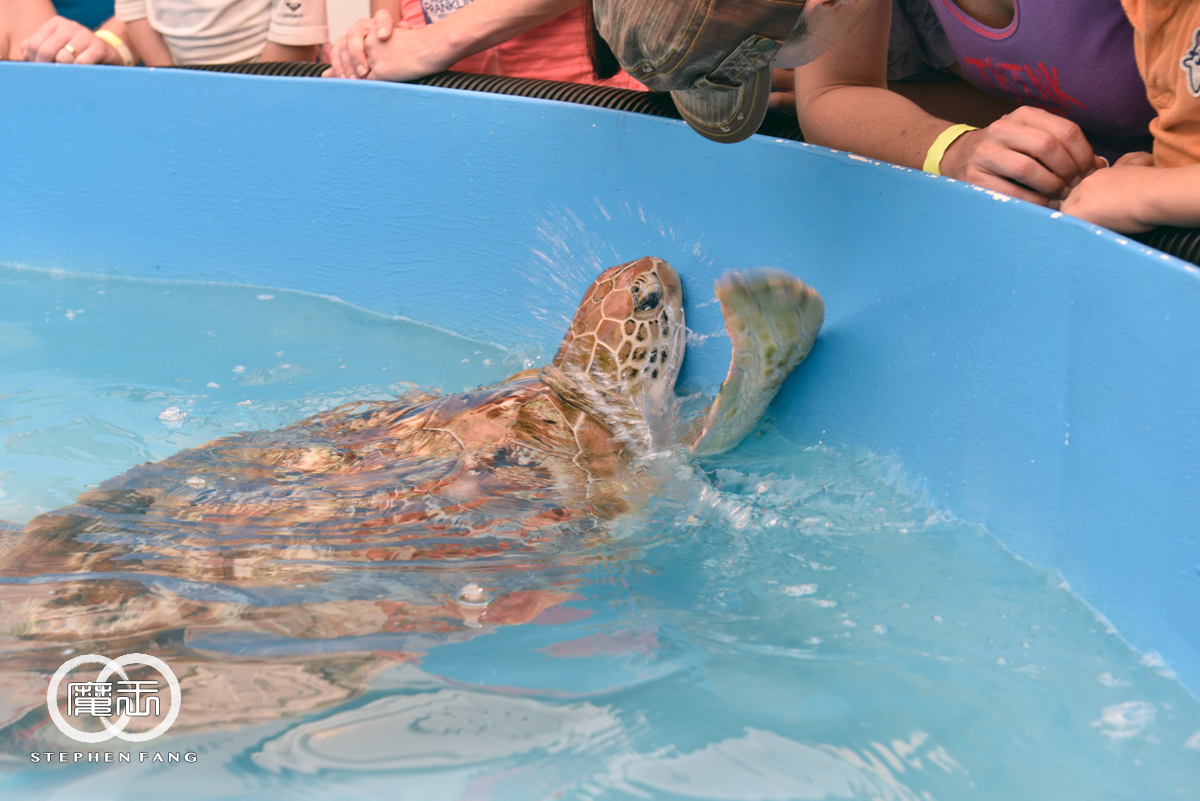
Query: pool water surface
{"x": 785, "y": 621}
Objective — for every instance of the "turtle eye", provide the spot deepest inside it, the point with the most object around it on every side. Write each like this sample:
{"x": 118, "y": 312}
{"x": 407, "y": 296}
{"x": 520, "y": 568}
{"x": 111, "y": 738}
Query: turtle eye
{"x": 648, "y": 301}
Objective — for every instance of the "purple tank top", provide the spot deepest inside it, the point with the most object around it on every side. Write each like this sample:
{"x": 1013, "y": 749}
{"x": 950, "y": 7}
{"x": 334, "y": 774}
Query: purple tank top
{"x": 1073, "y": 58}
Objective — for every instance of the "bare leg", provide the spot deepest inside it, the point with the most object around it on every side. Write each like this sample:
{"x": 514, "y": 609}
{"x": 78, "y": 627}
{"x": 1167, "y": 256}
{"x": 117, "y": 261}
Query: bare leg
{"x": 18, "y": 20}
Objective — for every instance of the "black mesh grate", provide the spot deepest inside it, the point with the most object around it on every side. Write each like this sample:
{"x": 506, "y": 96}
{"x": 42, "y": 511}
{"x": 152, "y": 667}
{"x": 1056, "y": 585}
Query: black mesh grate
{"x": 658, "y": 104}
{"x": 1181, "y": 242}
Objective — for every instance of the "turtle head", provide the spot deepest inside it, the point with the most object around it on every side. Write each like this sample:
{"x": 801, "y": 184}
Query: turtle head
{"x": 627, "y": 338}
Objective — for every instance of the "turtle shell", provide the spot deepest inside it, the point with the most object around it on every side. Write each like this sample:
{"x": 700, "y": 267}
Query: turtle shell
{"x": 463, "y": 476}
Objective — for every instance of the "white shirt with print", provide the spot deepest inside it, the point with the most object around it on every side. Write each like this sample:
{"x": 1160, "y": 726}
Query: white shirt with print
{"x": 228, "y": 31}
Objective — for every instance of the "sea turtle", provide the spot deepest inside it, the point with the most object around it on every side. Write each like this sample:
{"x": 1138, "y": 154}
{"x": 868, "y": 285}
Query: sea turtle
{"x": 203, "y": 552}
{"x": 549, "y": 453}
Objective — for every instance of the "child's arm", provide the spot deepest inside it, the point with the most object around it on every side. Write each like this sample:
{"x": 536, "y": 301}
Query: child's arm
{"x": 143, "y": 39}
{"x": 297, "y": 29}
{"x": 381, "y": 49}
{"x": 279, "y": 52}
{"x": 1132, "y": 196}
{"x": 149, "y": 43}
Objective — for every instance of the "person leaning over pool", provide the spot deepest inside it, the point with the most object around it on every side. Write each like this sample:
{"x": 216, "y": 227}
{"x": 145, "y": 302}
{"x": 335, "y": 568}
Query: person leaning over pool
{"x": 715, "y": 56}
{"x": 1144, "y": 190}
{"x": 1060, "y": 67}
{"x": 545, "y": 39}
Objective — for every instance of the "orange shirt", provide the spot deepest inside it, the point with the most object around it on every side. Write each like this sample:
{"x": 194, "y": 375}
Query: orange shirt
{"x": 1167, "y": 46}
{"x": 553, "y": 51}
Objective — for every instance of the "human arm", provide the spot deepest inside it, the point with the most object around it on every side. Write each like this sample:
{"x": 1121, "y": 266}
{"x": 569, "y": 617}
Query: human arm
{"x": 143, "y": 39}
{"x": 149, "y": 43}
{"x": 297, "y": 30}
{"x": 393, "y": 7}
{"x": 843, "y": 101}
{"x": 1134, "y": 196}
{"x": 49, "y": 43}
{"x": 382, "y": 49}
{"x": 954, "y": 100}
{"x": 272, "y": 51}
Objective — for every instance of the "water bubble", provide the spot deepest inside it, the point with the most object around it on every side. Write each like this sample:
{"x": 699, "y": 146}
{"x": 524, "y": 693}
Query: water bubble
{"x": 797, "y": 590}
{"x": 172, "y": 415}
{"x": 1109, "y": 680}
{"x": 241, "y": 368}
{"x": 245, "y": 403}
{"x": 213, "y": 385}
{"x": 265, "y": 297}
{"x": 1123, "y": 721}
{"x": 195, "y": 481}
{"x": 472, "y": 595}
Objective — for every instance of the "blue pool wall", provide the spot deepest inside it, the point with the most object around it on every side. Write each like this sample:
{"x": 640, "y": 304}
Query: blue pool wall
{"x": 1032, "y": 373}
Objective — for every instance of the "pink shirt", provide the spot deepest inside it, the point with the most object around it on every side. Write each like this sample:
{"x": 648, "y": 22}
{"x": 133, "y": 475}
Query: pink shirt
{"x": 553, "y": 51}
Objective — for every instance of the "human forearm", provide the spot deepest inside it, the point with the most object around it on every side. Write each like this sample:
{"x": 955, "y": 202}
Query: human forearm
{"x": 148, "y": 43}
{"x": 955, "y": 100}
{"x": 843, "y": 102}
{"x": 383, "y": 49}
{"x": 484, "y": 24}
{"x": 1134, "y": 196}
{"x": 390, "y": 6}
{"x": 868, "y": 120}
{"x": 1172, "y": 197}
{"x": 272, "y": 51}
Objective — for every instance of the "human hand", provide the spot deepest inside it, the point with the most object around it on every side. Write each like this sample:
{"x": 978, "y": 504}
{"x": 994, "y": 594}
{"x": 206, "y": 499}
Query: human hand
{"x": 1118, "y": 197}
{"x": 1029, "y": 154}
{"x": 783, "y": 91}
{"x": 1138, "y": 159}
{"x": 349, "y": 56}
{"x": 65, "y": 41}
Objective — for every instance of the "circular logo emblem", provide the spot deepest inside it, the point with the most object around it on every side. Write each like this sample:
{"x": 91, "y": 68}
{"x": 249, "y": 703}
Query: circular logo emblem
{"x": 103, "y": 698}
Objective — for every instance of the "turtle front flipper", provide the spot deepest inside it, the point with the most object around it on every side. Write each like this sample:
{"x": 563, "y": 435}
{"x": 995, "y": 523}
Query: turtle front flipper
{"x": 772, "y": 320}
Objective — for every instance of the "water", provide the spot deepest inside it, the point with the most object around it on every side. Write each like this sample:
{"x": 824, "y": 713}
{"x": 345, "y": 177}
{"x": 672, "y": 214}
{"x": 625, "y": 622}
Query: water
{"x": 780, "y": 622}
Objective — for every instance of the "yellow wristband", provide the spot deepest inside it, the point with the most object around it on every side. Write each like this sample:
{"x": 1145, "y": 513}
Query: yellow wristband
{"x": 933, "y": 159}
{"x": 118, "y": 44}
